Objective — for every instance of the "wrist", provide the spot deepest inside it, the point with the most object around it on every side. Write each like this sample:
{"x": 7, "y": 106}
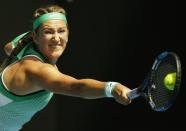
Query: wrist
{"x": 109, "y": 87}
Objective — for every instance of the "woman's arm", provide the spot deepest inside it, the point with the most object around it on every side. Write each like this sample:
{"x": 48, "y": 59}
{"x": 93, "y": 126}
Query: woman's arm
{"x": 11, "y": 45}
{"x": 8, "y": 48}
{"x": 48, "y": 77}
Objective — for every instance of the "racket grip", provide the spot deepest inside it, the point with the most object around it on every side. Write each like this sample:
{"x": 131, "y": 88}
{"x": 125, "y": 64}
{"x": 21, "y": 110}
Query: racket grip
{"x": 133, "y": 94}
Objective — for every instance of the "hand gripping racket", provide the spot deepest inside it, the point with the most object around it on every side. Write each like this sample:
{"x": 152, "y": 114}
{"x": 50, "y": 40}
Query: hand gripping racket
{"x": 162, "y": 83}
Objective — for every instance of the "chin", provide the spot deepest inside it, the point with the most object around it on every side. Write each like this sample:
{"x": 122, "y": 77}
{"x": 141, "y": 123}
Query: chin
{"x": 56, "y": 55}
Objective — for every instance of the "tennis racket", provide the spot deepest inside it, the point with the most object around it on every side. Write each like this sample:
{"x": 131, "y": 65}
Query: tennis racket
{"x": 162, "y": 84}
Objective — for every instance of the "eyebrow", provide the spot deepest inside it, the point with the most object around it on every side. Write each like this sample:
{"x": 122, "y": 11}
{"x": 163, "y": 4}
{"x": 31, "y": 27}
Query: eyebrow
{"x": 47, "y": 27}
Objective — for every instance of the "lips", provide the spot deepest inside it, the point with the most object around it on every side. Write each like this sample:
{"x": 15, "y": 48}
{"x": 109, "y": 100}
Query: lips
{"x": 54, "y": 47}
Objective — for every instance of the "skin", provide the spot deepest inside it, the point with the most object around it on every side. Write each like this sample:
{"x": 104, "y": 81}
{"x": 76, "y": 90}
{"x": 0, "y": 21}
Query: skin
{"x": 51, "y": 39}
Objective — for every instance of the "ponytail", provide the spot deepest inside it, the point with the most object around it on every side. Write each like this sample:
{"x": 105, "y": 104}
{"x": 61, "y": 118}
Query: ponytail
{"x": 27, "y": 38}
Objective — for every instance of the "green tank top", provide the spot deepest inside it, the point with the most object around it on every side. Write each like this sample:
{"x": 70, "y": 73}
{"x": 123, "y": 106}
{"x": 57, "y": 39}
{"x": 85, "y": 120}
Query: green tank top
{"x": 16, "y": 110}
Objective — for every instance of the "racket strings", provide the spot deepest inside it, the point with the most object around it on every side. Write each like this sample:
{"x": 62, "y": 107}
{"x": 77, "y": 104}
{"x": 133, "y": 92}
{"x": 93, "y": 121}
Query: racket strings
{"x": 161, "y": 96}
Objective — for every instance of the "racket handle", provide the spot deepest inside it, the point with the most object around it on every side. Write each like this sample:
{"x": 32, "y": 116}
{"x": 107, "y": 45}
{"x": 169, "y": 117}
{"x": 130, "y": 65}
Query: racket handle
{"x": 133, "y": 94}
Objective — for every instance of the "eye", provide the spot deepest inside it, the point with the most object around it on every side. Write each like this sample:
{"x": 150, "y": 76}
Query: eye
{"x": 61, "y": 31}
{"x": 48, "y": 32}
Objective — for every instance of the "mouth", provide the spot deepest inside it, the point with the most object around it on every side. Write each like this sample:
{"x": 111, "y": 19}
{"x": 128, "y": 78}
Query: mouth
{"x": 57, "y": 46}
{"x": 54, "y": 46}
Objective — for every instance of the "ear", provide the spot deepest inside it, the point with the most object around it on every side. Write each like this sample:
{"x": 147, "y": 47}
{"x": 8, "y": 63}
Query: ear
{"x": 34, "y": 36}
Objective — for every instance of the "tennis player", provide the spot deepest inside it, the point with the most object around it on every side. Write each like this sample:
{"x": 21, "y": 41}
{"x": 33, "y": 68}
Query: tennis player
{"x": 30, "y": 77}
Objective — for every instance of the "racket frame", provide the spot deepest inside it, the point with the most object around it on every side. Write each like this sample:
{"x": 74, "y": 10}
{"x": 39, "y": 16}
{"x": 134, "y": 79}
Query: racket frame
{"x": 144, "y": 89}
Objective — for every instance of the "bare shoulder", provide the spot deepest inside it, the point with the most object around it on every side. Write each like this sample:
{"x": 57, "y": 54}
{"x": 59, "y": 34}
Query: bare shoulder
{"x": 33, "y": 66}
{"x": 25, "y": 76}
{"x": 44, "y": 75}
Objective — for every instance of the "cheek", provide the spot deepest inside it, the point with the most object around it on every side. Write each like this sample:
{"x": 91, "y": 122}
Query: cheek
{"x": 43, "y": 46}
{"x": 44, "y": 42}
{"x": 65, "y": 36}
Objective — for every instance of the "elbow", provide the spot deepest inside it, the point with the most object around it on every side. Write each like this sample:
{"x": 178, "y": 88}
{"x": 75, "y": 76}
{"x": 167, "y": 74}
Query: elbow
{"x": 73, "y": 88}
{"x": 8, "y": 48}
{"x": 81, "y": 90}
{"x": 78, "y": 89}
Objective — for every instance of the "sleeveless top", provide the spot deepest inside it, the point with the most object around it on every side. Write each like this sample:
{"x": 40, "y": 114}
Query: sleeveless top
{"x": 17, "y": 110}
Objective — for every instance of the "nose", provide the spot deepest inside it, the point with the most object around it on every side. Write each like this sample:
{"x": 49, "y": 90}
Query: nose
{"x": 56, "y": 37}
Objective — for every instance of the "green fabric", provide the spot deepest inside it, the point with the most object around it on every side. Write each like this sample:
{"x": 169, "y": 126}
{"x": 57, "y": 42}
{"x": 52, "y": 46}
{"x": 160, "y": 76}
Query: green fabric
{"x": 49, "y": 16}
{"x": 30, "y": 49}
{"x": 20, "y": 109}
{"x": 15, "y": 40}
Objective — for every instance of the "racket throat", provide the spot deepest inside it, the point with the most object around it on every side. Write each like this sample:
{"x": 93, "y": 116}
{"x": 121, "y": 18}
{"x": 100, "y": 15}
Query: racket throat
{"x": 134, "y": 93}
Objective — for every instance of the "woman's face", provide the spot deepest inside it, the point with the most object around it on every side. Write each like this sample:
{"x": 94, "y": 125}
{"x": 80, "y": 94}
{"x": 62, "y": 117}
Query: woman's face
{"x": 51, "y": 39}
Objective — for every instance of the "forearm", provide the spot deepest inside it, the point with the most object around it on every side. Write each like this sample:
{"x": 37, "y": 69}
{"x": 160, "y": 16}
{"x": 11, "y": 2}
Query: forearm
{"x": 92, "y": 89}
{"x": 89, "y": 88}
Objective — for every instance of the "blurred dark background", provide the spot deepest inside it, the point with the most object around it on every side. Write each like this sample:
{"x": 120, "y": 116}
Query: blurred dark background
{"x": 109, "y": 41}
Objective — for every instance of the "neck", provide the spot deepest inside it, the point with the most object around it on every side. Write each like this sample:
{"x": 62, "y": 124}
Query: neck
{"x": 52, "y": 62}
